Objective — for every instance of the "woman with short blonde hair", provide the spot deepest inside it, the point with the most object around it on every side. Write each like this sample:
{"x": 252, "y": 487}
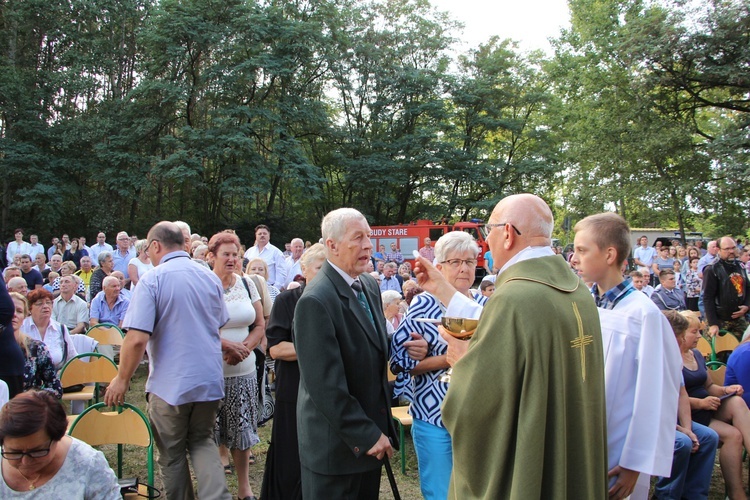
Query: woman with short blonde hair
{"x": 720, "y": 407}
{"x": 140, "y": 264}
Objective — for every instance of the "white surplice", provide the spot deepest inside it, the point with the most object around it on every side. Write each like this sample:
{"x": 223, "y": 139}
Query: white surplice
{"x": 642, "y": 373}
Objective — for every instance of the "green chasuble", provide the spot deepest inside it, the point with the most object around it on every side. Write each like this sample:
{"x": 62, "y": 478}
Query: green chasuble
{"x": 525, "y": 407}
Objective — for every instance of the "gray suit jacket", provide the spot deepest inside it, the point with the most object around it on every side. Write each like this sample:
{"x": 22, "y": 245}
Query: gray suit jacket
{"x": 343, "y": 404}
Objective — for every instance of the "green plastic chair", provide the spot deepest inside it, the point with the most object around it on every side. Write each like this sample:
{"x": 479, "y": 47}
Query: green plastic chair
{"x": 99, "y": 369}
{"x": 127, "y": 425}
{"x": 724, "y": 341}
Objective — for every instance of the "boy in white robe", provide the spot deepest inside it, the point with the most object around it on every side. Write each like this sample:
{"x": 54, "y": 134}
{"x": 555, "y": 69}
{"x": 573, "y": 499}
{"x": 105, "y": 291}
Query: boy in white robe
{"x": 642, "y": 364}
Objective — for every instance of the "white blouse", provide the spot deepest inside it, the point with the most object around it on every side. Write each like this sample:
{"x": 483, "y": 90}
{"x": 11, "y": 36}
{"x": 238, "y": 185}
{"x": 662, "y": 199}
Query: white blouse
{"x": 53, "y": 339}
{"x": 241, "y": 316}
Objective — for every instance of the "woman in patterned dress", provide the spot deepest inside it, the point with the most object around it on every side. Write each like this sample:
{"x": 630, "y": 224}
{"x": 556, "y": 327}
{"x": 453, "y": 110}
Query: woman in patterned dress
{"x": 39, "y": 372}
{"x": 237, "y": 418}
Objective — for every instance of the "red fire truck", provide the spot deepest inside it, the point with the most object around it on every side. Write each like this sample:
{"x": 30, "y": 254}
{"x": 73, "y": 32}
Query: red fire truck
{"x": 409, "y": 237}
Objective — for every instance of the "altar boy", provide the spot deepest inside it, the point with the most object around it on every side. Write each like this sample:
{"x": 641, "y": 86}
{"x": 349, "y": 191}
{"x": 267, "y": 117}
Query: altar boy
{"x": 642, "y": 364}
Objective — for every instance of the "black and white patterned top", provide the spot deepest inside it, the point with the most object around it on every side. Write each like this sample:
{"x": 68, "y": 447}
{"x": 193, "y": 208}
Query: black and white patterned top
{"x": 426, "y": 390}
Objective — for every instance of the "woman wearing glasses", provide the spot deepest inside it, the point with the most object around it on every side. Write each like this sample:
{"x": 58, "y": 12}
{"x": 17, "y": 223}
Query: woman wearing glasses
{"x": 40, "y": 326}
{"x": 40, "y": 461}
{"x": 456, "y": 254}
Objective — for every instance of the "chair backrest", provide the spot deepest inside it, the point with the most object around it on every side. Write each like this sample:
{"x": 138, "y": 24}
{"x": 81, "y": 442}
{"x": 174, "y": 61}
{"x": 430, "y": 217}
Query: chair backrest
{"x": 127, "y": 425}
{"x": 97, "y": 428}
{"x": 704, "y": 347}
{"x": 106, "y": 334}
{"x": 725, "y": 342}
{"x": 99, "y": 368}
{"x": 717, "y": 371}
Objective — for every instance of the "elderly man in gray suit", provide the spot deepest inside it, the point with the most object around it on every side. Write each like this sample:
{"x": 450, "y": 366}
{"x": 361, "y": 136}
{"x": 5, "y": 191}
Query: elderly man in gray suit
{"x": 343, "y": 411}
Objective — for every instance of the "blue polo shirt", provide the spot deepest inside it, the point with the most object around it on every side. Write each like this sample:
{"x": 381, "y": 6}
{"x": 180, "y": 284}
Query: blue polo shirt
{"x": 121, "y": 261}
{"x": 181, "y": 305}
{"x": 101, "y": 311}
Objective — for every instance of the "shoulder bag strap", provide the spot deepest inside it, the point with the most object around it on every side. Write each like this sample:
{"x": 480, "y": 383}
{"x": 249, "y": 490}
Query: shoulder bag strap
{"x": 65, "y": 346}
{"x": 249, "y": 294}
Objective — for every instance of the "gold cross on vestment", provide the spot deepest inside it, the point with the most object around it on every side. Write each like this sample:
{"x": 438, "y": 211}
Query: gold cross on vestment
{"x": 581, "y": 341}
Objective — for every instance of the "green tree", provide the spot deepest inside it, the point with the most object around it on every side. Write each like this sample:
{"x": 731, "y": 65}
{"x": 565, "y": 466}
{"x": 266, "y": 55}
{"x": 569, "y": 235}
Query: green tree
{"x": 499, "y": 102}
{"x": 630, "y": 144}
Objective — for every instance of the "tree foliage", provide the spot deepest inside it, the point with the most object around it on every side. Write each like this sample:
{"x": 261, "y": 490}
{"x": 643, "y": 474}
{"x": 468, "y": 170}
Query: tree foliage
{"x": 651, "y": 125}
{"x": 117, "y": 114}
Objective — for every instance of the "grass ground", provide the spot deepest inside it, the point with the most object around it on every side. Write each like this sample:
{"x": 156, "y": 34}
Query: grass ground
{"x": 134, "y": 458}
{"x": 134, "y": 461}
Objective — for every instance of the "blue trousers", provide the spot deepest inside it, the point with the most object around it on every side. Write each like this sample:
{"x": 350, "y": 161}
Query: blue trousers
{"x": 691, "y": 472}
{"x": 435, "y": 457}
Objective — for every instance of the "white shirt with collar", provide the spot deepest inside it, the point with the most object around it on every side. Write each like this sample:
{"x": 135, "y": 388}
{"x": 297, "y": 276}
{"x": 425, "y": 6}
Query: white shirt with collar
{"x": 35, "y": 249}
{"x": 293, "y": 269}
{"x": 274, "y": 260}
{"x": 349, "y": 280}
{"x": 54, "y": 339}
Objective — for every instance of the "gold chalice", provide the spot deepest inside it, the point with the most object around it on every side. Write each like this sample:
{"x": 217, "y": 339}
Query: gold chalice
{"x": 461, "y": 328}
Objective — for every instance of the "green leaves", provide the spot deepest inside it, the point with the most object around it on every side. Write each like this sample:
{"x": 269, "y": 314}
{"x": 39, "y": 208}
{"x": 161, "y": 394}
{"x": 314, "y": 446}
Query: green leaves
{"x": 120, "y": 113}
{"x": 643, "y": 127}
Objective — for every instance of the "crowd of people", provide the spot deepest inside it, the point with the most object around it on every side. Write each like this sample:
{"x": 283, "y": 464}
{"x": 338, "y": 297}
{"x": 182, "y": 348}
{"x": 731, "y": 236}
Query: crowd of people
{"x": 571, "y": 386}
{"x": 51, "y": 306}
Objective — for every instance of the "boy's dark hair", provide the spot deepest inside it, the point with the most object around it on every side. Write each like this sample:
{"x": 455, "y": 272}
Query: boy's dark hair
{"x": 692, "y": 259}
{"x": 608, "y": 230}
{"x": 484, "y": 285}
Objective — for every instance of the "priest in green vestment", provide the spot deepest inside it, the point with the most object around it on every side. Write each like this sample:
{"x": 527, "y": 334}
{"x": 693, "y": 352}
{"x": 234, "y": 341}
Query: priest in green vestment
{"x": 526, "y": 405}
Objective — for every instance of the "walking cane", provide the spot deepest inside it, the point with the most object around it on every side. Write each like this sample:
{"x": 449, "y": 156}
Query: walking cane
{"x": 391, "y": 477}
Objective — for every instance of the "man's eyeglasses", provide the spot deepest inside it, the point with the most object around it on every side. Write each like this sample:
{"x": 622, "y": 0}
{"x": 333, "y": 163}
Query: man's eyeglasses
{"x": 18, "y": 455}
{"x": 457, "y": 262}
{"x": 490, "y": 227}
